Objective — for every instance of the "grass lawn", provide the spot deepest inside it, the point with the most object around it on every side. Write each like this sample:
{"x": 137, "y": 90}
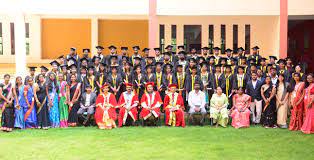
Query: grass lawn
{"x": 156, "y": 143}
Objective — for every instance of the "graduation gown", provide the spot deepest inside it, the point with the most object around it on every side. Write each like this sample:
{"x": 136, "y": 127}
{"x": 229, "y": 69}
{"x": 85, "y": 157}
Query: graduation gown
{"x": 105, "y": 113}
{"x": 218, "y": 80}
{"x": 127, "y": 108}
{"x": 240, "y": 82}
{"x": 150, "y": 104}
{"x": 139, "y": 80}
{"x": 92, "y": 81}
{"x": 174, "y": 117}
{"x": 101, "y": 78}
{"x": 190, "y": 80}
{"x": 115, "y": 82}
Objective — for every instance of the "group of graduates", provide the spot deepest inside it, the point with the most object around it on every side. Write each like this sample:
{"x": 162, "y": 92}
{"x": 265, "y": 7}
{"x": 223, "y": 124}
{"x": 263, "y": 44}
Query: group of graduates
{"x": 136, "y": 89}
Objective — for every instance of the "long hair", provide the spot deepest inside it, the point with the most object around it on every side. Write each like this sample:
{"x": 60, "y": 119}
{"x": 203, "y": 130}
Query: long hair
{"x": 16, "y": 85}
{"x": 51, "y": 82}
{"x": 306, "y": 82}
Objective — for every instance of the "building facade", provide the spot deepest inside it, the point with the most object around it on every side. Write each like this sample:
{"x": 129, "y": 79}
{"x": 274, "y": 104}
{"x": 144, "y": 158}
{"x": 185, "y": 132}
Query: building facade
{"x": 36, "y": 32}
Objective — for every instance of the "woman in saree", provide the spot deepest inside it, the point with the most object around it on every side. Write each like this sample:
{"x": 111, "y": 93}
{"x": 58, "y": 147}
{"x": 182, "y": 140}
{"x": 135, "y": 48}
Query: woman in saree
{"x": 240, "y": 112}
{"x": 28, "y": 104}
{"x": 106, "y": 104}
{"x": 6, "y": 105}
{"x": 63, "y": 107}
{"x": 268, "y": 92}
{"x": 308, "y": 124}
{"x": 18, "y": 93}
{"x": 40, "y": 95}
{"x": 218, "y": 108}
{"x": 296, "y": 101}
{"x": 282, "y": 95}
{"x": 73, "y": 92}
{"x": 53, "y": 104}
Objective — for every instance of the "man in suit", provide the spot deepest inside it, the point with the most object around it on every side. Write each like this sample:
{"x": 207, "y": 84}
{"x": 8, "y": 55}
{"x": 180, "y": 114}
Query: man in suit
{"x": 253, "y": 89}
{"x": 88, "y": 101}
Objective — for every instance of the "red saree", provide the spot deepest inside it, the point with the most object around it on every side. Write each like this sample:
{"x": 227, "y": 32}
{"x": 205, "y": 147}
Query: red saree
{"x": 105, "y": 114}
{"x": 308, "y": 125}
{"x": 174, "y": 107}
{"x": 241, "y": 114}
{"x": 296, "y": 119}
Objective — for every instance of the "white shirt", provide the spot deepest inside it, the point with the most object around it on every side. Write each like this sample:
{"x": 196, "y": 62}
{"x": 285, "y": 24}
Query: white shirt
{"x": 197, "y": 99}
{"x": 274, "y": 80}
{"x": 87, "y": 100}
{"x": 127, "y": 99}
{"x": 254, "y": 83}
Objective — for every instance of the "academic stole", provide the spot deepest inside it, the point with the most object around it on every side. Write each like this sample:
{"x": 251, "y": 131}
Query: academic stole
{"x": 204, "y": 76}
{"x": 181, "y": 78}
{"x": 158, "y": 79}
{"x": 217, "y": 79}
{"x": 240, "y": 82}
{"x": 138, "y": 82}
{"x": 227, "y": 84}
{"x": 169, "y": 78}
{"x": 91, "y": 82}
{"x": 172, "y": 115}
{"x": 193, "y": 81}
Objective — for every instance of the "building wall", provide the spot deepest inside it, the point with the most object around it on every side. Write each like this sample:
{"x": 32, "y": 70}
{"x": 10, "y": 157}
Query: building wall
{"x": 264, "y": 30}
{"x": 122, "y": 33}
{"x": 58, "y": 35}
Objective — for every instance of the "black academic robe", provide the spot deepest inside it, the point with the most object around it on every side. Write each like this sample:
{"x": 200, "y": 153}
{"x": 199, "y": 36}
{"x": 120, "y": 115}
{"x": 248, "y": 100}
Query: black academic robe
{"x": 229, "y": 79}
{"x": 218, "y": 80}
{"x": 189, "y": 84}
{"x": 180, "y": 80}
{"x": 117, "y": 82}
{"x": 101, "y": 79}
{"x": 90, "y": 80}
{"x": 257, "y": 58}
{"x": 150, "y": 78}
{"x": 237, "y": 82}
{"x": 139, "y": 84}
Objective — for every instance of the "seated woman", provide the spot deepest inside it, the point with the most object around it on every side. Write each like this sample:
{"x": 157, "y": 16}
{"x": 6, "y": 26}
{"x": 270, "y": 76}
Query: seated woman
{"x": 174, "y": 107}
{"x": 240, "y": 113}
{"x": 218, "y": 108}
{"x": 105, "y": 114}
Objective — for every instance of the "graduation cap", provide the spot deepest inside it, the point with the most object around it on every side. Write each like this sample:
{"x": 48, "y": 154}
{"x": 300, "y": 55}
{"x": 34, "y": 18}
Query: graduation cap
{"x": 136, "y": 47}
{"x": 137, "y": 66}
{"x": 96, "y": 57}
{"x": 157, "y": 49}
{"x": 54, "y": 63}
{"x": 179, "y": 66}
{"x": 182, "y": 52}
{"x": 199, "y": 58}
{"x": 252, "y": 60}
{"x": 82, "y": 68}
{"x": 114, "y": 66}
{"x": 32, "y": 68}
{"x": 86, "y": 49}
{"x": 137, "y": 58}
{"x": 241, "y": 67}
{"x": 192, "y": 59}
{"x": 282, "y": 61}
{"x": 71, "y": 59}
{"x": 255, "y": 48}
{"x": 228, "y": 66}
{"x": 233, "y": 59}
{"x": 64, "y": 65}
{"x": 205, "y": 48}
{"x": 203, "y": 64}
{"x": 148, "y": 66}
{"x": 44, "y": 68}
{"x": 240, "y": 49}
{"x": 99, "y": 47}
{"x": 124, "y": 48}
{"x": 273, "y": 57}
{"x": 125, "y": 58}
{"x": 228, "y": 50}
{"x": 182, "y": 47}
{"x": 194, "y": 67}
{"x": 84, "y": 59}
{"x": 145, "y": 49}
{"x": 91, "y": 67}
{"x": 103, "y": 64}
{"x": 73, "y": 48}
{"x": 168, "y": 54}
{"x": 112, "y": 47}
{"x": 159, "y": 63}
{"x": 263, "y": 59}
{"x": 169, "y": 47}
{"x": 211, "y": 57}
{"x": 88, "y": 86}
{"x": 191, "y": 48}
{"x": 62, "y": 56}
{"x": 168, "y": 65}
{"x": 113, "y": 56}
{"x": 222, "y": 59}
{"x": 74, "y": 66}
{"x": 216, "y": 48}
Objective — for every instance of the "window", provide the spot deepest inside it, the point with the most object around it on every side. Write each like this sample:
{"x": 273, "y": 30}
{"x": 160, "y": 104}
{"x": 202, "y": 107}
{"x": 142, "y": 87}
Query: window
{"x": 247, "y": 38}
{"x": 223, "y": 38}
{"x": 211, "y": 38}
{"x": 193, "y": 36}
{"x": 235, "y": 37}
{"x": 162, "y": 37}
{"x": 12, "y": 39}
{"x": 27, "y": 37}
{"x": 174, "y": 37}
{"x": 1, "y": 40}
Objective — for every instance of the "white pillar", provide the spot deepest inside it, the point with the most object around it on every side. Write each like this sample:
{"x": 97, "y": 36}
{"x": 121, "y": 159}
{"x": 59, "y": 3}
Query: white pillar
{"x": 20, "y": 44}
